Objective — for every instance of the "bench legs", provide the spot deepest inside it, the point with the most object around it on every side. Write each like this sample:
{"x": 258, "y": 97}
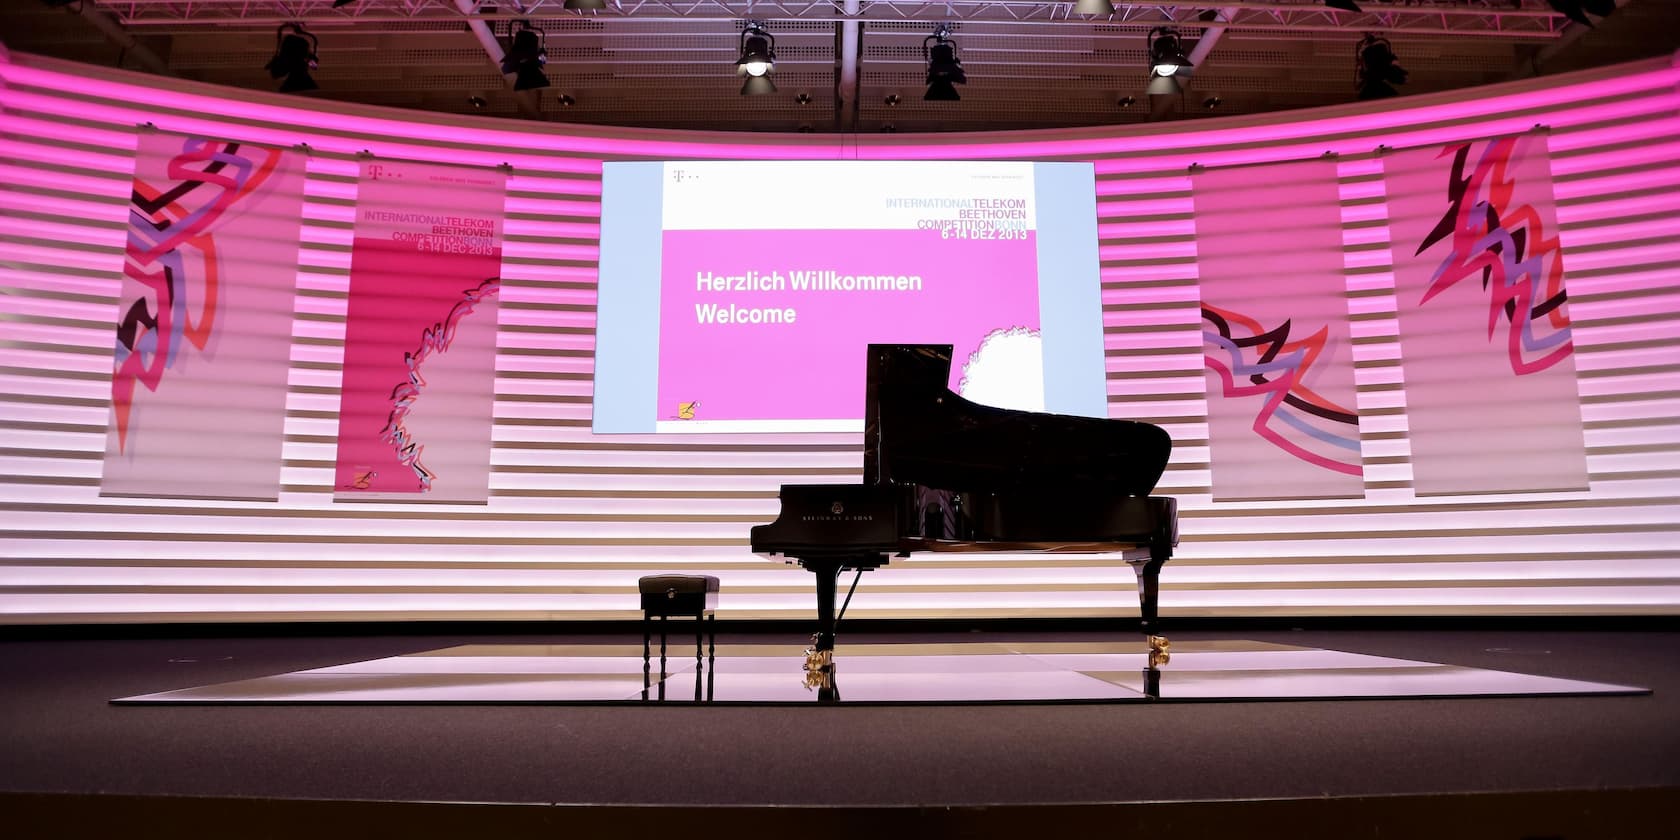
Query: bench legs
{"x": 705, "y": 653}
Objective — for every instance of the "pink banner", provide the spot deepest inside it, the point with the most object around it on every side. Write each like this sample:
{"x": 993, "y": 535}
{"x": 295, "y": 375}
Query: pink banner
{"x": 420, "y": 344}
{"x": 813, "y": 300}
{"x": 198, "y": 388}
{"x": 1491, "y": 401}
{"x": 1282, "y": 422}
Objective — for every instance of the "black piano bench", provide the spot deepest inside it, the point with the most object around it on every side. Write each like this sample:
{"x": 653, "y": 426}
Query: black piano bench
{"x": 668, "y": 595}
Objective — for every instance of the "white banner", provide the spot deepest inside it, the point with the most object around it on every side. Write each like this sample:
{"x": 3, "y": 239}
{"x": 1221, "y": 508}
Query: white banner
{"x": 198, "y": 391}
{"x": 1485, "y": 339}
{"x": 1278, "y": 357}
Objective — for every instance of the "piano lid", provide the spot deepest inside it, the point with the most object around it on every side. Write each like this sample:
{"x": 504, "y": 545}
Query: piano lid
{"x": 917, "y": 431}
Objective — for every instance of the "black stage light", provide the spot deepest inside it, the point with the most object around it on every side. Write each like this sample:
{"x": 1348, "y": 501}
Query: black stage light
{"x": 757, "y": 61}
{"x": 1375, "y": 69}
{"x": 583, "y": 5}
{"x": 1093, "y": 7}
{"x": 525, "y": 55}
{"x": 1166, "y": 52}
{"x": 294, "y": 56}
{"x": 339, "y": 4}
{"x": 944, "y": 68}
{"x": 1344, "y": 5}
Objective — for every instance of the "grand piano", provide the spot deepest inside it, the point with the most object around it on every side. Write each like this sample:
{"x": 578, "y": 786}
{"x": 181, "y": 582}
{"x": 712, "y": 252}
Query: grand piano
{"x": 944, "y": 474}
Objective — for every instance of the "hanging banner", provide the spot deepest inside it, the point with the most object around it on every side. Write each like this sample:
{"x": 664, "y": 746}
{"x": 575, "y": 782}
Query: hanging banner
{"x": 420, "y": 341}
{"x": 1282, "y": 422}
{"x": 204, "y": 320}
{"x": 1491, "y": 400}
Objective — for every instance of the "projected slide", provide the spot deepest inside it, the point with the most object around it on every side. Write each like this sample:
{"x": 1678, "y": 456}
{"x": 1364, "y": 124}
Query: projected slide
{"x": 740, "y": 296}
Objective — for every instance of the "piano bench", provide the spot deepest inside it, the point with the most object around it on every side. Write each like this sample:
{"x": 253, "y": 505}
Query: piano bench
{"x": 667, "y": 595}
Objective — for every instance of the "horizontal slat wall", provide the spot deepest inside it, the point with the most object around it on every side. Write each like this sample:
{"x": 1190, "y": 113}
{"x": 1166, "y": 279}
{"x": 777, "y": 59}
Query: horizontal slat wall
{"x": 574, "y": 519}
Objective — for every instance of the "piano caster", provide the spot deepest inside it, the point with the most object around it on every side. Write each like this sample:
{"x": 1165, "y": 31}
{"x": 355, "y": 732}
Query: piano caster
{"x": 822, "y": 680}
{"x": 819, "y": 674}
{"x": 1160, "y": 650}
{"x": 818, "y": 661}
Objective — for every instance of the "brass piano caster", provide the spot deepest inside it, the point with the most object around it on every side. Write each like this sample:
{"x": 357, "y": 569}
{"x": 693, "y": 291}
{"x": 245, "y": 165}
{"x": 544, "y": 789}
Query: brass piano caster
{"x": 821, "y": 680}
{"x": 819, "y": 670}
{"x": 817, "y": 661}
{"x": 1160, "y": 650}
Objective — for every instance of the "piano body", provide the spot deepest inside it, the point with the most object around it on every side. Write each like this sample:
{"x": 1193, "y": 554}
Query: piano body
{"x": 942, "y": 473}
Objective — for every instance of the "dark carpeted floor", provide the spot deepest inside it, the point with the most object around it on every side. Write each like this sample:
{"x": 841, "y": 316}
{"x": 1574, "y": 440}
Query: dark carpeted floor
{"x": 58, "y": 734}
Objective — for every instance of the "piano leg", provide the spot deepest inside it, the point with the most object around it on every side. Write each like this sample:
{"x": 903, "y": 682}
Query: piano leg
{"x": 1149, "y": 594}
{"x": 827, "y": 574}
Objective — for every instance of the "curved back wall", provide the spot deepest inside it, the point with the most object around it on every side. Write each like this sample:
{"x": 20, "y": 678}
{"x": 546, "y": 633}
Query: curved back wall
{"x": 573, "y": 518}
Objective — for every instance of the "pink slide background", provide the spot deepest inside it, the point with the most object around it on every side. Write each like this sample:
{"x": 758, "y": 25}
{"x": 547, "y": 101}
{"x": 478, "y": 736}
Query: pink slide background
{"x": 813, "y": 369}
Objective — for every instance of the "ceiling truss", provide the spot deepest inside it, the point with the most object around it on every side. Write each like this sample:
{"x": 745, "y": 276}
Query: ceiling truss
{"x": 1524, "y": 20}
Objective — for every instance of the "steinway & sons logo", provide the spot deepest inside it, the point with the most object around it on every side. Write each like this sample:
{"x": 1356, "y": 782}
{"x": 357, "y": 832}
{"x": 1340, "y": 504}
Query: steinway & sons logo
{"x": 837, "y": 513}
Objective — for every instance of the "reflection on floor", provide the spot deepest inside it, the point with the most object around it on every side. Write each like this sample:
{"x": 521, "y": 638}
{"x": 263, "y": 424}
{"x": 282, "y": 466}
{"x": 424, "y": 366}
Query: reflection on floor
{"x": 1026, "y": 672}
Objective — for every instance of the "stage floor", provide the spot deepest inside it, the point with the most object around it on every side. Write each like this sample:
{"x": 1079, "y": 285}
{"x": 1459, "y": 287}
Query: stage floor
{"x": 948, "y": 673}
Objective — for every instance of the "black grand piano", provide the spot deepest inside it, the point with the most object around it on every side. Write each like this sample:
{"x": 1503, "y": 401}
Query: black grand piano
{"x": 942, "y": 473}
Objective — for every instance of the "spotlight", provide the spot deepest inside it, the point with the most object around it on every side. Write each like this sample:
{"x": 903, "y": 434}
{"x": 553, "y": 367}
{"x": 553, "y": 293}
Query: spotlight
{"x": 803, "y": 99}
{"x": 1126, "y": 101}
{"x": 1344, "y": 5}
{"x": 478, "y": 103}
{"x": 944, "y": 69}
{"x": 1212, "y": 102}
{"x": 565, "y": 100}
{"x": 524, "y": 56}
{"x": 1375, "y": 72}
{"x": 757, "y": 61}
{"x": 294, "y": 56}
{"x": 891, "y": 100}
{"x": 585, "y": 5}
{"x": 1166, "y": 52}
{"x": 1093, "y": 7}
{"x": 339, "y": 4}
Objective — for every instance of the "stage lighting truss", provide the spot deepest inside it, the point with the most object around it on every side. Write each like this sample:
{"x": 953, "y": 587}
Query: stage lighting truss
{"x": 524, "y": 55}
{"x": 1527, "y": 21}
{"x": 1375, "y": 69}
{"x": 944, "y": 68}
{"x": 1577, "y": 10}
{"x": 757, "y": 61}
{"x": 295, "y": 54}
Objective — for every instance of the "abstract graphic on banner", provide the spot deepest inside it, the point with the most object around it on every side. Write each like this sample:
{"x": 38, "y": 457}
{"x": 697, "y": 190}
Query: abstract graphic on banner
{"x": 204, "y": 317}
{"x": 420, "y": 341}
{"x": 1282, "y": 422}
{"x": 1491, "y": 399}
